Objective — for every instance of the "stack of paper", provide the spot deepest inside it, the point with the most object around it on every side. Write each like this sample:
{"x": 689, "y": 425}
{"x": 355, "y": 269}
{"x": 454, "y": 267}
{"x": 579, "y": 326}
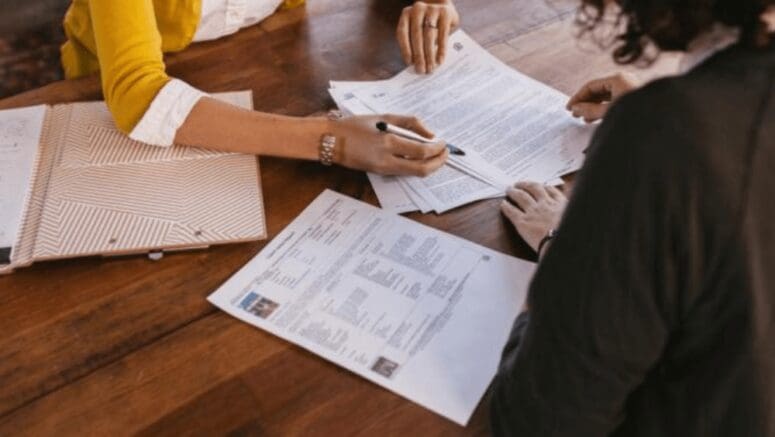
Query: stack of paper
{"x": 511, "y": 127}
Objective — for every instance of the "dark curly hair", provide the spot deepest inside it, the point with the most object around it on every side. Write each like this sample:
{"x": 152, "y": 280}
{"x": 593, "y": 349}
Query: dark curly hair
{"x": 673, "y": 24}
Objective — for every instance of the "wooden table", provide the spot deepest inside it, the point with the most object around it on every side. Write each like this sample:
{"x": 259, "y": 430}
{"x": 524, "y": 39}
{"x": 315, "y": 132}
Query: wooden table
{"x": 126, "y": 346}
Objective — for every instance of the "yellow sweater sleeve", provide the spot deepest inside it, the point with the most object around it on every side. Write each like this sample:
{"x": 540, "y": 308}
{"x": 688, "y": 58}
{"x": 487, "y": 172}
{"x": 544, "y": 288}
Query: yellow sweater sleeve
{"x": 129, "y": 49}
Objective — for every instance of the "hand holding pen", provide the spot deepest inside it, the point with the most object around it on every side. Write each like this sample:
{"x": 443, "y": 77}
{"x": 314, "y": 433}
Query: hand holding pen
{"x": 360, "y": 145}
{"x": 406, "y": 133}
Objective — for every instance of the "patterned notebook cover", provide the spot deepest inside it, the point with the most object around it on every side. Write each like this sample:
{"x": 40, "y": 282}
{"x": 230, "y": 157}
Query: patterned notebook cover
{"x": 97, "y": 192}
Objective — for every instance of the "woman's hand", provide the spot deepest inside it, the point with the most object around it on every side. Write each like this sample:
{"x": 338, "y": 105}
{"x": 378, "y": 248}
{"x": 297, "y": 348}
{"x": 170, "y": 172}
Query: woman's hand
{"x": 423, "y": 31}
{"x": 536, "y": 210}
{"x": 592, "y": 101}
{"x": 361, "y": 146}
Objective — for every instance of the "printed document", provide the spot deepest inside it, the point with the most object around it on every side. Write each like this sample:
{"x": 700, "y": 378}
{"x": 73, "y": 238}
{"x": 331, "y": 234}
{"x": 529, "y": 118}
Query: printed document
{"x": 415, "y": 310}
{"x": 20, "y": 131}
{"x": 395, "y": 193}
{"x": 511, "y": 126}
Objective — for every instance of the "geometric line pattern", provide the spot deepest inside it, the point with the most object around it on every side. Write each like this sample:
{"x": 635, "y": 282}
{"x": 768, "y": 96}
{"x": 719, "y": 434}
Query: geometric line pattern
{"x": 92, "y": 139}
{"x": 101, "y": 209}
{"x": 88, "y": 229}
{"x": 95, "y": 192}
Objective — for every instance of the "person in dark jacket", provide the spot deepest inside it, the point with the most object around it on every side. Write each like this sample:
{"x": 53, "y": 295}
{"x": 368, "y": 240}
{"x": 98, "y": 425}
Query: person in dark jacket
{"x": 652, "y": 312}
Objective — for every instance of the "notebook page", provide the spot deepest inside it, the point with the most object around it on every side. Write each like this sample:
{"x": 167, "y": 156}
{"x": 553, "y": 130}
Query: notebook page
{"x": 20, "y": 131}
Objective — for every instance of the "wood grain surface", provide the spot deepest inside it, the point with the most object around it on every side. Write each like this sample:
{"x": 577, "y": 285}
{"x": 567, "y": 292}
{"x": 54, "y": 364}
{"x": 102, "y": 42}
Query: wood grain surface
{"x": 130, "y": 346}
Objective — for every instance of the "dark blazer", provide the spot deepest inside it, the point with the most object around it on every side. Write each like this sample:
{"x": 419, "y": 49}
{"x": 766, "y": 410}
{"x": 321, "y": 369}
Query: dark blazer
{"x": 652, "y": 312}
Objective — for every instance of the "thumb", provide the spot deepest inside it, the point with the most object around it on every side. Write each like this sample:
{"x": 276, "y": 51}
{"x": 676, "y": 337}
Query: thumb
{"x": 589, "y": 111}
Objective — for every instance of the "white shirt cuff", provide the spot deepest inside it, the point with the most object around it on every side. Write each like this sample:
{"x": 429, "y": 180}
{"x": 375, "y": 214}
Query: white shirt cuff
{"x": 168, "y": 111}
{"x": 224, "y": 17}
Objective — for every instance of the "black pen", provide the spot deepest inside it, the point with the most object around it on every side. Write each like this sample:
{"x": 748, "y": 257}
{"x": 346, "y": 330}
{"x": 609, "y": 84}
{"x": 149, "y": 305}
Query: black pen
{"x": 406, "y": 133}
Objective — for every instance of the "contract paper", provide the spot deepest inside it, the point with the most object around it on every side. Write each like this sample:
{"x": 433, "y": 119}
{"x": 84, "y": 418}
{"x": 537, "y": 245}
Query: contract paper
{"x": 417, "y": 311}
{"x": 395, "y": 193}
{"x": 511, "y": 127}
{"x": 20, "y": 131}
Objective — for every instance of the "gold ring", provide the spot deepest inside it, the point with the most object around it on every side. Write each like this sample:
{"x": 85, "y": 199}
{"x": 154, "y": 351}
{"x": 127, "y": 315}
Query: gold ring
{"x": 430, "y": 25}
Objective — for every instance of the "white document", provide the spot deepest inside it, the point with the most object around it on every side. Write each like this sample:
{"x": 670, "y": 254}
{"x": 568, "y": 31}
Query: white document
{"x": 391, "y": 194}
{"x": 20, "y": 131}
{"x": 342, "y": 94}
{"x": 396, "y": 194}
{"x": 517, "y": 126}
{"x": 420, "y": 312}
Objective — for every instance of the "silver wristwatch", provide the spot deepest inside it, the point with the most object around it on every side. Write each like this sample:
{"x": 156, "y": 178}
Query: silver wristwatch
{"x": 328, "y": 141}
{"x": 327, "y": 149}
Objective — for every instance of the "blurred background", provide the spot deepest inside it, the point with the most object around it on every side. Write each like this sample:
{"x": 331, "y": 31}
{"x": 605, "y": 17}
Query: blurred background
{"x": 30, "y": 36}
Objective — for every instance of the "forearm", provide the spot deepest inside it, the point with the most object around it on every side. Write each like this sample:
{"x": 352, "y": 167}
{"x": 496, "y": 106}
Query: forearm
{"x": 221, "y": 126}
{"x": 359, "y": 144}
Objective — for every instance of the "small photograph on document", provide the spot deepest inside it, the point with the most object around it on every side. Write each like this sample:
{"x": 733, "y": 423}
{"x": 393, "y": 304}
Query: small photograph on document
{"x": 385, "y": 367}
{"x": 258, "y": 305}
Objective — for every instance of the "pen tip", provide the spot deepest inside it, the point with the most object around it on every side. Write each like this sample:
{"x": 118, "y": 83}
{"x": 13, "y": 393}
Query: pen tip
{"x": 381, "y": 125}
{"x": 455, "y": 150}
